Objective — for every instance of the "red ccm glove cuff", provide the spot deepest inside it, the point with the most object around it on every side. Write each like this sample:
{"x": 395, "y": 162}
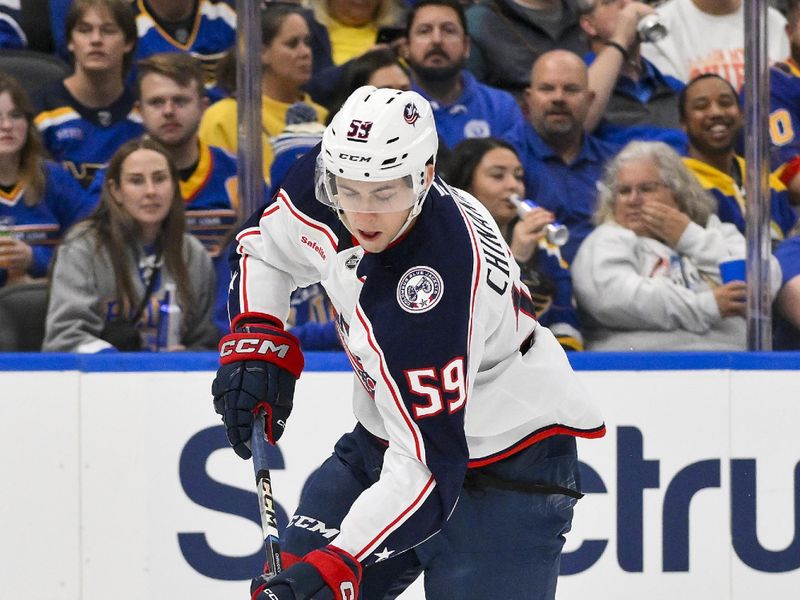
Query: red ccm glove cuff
{"x": 339, "y": 569}
{"x": 270, "y": 345}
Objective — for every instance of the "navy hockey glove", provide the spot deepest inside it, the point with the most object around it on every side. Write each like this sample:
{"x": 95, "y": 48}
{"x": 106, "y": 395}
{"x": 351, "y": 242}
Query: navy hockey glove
{"x": 325, "y": 574}
{"x": 260, "y": 365}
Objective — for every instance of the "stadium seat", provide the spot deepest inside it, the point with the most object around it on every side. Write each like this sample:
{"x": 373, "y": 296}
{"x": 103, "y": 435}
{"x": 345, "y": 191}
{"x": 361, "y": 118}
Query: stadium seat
{"x": 33, "y": 69}
{"x": 23, "y": 308}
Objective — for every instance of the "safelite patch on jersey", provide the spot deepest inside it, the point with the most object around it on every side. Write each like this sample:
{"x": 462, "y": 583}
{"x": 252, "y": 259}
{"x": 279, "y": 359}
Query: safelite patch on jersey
{"x": 419, "y": 290}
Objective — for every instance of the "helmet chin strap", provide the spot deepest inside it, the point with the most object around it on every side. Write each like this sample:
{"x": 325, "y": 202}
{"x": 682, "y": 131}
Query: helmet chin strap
{"x": 417, "y": 208}
{"x": 412, "y": 214}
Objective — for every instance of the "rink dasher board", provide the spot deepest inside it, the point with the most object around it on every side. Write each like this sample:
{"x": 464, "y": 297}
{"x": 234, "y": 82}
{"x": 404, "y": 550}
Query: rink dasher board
{"x": 100, "y": 489}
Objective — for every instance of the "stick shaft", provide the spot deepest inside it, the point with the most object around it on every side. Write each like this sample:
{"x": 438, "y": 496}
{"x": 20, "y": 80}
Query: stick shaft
{"x": 269, "y": 522}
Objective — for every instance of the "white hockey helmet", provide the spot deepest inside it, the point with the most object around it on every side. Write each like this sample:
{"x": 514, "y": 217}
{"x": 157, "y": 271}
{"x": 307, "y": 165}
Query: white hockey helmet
{"x": 378, "y": 135}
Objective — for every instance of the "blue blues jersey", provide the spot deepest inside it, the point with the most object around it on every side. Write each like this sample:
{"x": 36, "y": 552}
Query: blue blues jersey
{"x": 786, "y": 335}
{"x": 212, "y": 204}
{"x": 454, "y": 370}
{"x": 730, "y": 197}
{"x": 784, "y": 116}
{"x": 567, "y": 190}
{"x": 12, "y": 37}
{"x": 212, "y": 34}
{"x": 84, "y": 139}
{"x": 43, "y": 224}
{"x": 49, "y": 34}
{"x": 481, "y": 111}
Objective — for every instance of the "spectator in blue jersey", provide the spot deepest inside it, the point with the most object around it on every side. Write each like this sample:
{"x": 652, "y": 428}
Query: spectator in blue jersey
{"x": 490, "y": 170}
{"x": 436, "y": 52}
{"x": 784, "y": 118}
{"x": 508, "y": 36}
{"x": 562, "y": 162}
{"x": 286, "y": 62}
{"x": 39, "y": 200}
{"x": 712, "y": 118}
{"x": 114, "y": 270}
{"x": 647, "y": 278}
{"x": 171, "y": 101}
{"x": 86, "y": 117}
{"x": 786, "y": 325}
{"x": 633, "y": 99}
{"x": 206, "y": 29}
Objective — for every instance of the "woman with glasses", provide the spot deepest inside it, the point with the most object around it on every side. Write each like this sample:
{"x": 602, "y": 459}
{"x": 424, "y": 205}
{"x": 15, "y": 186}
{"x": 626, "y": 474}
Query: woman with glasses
{"x": 648, "y": 278}
{"x": 39, "y": 200}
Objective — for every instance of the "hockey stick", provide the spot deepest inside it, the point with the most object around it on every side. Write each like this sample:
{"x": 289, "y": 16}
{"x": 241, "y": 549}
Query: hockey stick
{"x": 269, "y": 522}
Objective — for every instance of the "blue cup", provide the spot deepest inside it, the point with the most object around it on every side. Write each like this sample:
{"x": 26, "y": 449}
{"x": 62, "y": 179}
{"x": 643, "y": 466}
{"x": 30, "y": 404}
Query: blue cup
{"x": 732, "y": 269}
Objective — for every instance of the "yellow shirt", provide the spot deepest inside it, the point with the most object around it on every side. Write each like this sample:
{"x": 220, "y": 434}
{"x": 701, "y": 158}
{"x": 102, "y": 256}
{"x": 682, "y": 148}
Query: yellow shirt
{"x": 349, "y": 42}
{"x": 218, "y": 127}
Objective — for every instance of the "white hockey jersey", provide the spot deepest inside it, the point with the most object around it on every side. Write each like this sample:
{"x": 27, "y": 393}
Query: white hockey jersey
{"x": 454, "y": 370}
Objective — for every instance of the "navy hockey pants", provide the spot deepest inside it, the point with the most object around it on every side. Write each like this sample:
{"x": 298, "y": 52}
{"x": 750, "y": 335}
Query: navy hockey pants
{"x": 497, "y": 545}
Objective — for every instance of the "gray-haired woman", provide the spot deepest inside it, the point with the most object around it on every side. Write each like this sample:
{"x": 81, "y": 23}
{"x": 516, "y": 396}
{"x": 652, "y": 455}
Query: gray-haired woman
{"x": 647, "y": 278}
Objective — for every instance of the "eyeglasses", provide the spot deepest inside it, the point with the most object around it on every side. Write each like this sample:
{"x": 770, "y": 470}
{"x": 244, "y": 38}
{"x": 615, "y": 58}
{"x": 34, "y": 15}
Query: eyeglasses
{"x": 648, "y": 188}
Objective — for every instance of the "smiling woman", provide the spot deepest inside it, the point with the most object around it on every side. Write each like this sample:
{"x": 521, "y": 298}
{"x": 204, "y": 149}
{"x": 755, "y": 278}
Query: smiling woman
{"x": 113, "y": 273}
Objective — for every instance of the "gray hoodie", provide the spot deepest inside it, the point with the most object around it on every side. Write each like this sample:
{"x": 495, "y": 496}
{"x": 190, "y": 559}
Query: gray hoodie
{"x": 635, "y": 293}
{"x": 83, "y": 296}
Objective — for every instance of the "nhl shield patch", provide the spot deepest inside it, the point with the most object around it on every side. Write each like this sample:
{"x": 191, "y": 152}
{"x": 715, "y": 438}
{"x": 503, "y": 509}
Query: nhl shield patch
{"x": 419, "y": 289}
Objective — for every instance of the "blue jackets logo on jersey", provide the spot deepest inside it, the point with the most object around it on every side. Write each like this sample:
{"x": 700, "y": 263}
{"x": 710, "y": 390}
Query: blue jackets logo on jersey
{"x": 419, "y": 290}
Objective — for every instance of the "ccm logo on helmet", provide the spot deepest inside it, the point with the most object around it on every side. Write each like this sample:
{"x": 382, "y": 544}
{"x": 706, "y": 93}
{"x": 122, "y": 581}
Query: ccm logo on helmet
{"x": 253, "y": 346}
{"x": 354, "y": 157}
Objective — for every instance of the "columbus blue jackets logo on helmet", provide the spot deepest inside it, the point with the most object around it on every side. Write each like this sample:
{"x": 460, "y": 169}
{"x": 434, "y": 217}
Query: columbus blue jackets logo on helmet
{"x": 410, "y": 113}
{"x": 419, "y": 290}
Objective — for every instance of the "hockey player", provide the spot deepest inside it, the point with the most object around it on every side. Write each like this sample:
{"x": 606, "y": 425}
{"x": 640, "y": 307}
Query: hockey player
{"x": 463, "y": 462}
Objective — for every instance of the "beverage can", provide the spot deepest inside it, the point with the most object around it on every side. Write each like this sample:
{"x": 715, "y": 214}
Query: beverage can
{"x": 557, "y": 234}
